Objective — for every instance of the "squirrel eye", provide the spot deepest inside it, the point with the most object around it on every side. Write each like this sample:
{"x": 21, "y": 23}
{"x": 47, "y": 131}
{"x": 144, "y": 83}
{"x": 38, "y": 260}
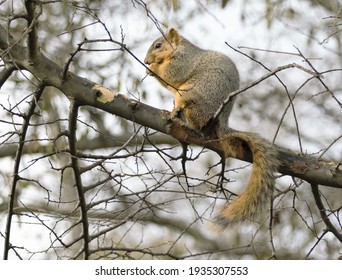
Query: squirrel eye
{"x": 158, "y": 45}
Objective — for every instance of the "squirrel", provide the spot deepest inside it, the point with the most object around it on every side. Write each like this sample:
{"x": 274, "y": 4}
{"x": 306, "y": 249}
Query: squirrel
{"x": 200, "y": 80}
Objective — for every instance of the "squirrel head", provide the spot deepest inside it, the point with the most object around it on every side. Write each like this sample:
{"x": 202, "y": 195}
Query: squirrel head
{"x": 162, "y": 48}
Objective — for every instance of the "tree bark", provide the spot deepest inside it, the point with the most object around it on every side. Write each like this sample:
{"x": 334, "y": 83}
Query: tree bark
{"x": 87, "y": 93}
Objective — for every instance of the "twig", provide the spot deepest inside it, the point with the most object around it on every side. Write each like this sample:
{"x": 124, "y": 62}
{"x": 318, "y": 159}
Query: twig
{"x": 71, "y": 58}
{"x": 250, "y": 85}
{"x": 319, "y": 203}
{"x": 331, "y": 144}
{"x": 277, "y": 52}
{"x": 319, "y": 78}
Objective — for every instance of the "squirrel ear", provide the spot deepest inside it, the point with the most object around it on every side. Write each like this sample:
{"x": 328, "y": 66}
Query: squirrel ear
{"x": 173, "y": 36}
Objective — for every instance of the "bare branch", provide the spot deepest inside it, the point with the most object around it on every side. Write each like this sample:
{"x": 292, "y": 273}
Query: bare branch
{"x": 82, "y": 90}
{"x": 5, "y": 74}
{"x": 256, "y": 82}
{"x": 32, "y": 20}
{"x": 113, "y": 189}
{"x": 318, "y": 76}
{"x": 77, "y": 175}
{"x": 12, "y": 197}
{"x": 325, "y": 218}
{"x": 235, "y": 93}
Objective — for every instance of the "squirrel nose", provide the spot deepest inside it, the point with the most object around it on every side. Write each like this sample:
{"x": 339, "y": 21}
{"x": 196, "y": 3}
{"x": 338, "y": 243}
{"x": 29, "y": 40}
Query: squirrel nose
{"x": 146, "y": 61}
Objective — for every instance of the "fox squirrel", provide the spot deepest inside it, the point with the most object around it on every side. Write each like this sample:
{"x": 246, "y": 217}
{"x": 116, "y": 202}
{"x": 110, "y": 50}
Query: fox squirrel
{"x": 200, "y": 80}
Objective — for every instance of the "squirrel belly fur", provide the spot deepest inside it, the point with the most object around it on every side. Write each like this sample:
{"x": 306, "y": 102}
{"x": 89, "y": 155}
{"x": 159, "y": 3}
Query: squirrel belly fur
{"x": 200, "y": 80}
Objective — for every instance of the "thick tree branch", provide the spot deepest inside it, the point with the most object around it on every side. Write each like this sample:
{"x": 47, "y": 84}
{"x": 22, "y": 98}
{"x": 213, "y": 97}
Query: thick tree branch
{"x": 31, "y": 17}
{"x": 5, "y": 74}
{"x": 86, "y": 92}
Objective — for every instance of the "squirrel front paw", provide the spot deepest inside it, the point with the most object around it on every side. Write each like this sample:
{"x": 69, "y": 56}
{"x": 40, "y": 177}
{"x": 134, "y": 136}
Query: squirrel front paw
{"x": 177, "y": 113}
{"x": 152, "y": 69}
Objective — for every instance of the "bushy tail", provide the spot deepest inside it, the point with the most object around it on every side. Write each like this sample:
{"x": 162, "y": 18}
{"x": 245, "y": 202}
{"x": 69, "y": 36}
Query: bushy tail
{"x": 260, "y": 187}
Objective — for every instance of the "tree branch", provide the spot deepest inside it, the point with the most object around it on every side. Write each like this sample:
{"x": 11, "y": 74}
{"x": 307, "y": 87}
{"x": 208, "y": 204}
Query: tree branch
{"x": 324, "y": 216}
{"x": 16, "y": 178}
{"x": 5, "y": 74}
{"x": 86, "y": 93}
{"x": 77, "y": 174}
{"x": 99, "y": 142}
{"x": 256, "y": 82}
{"x": 31, "y": 17}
